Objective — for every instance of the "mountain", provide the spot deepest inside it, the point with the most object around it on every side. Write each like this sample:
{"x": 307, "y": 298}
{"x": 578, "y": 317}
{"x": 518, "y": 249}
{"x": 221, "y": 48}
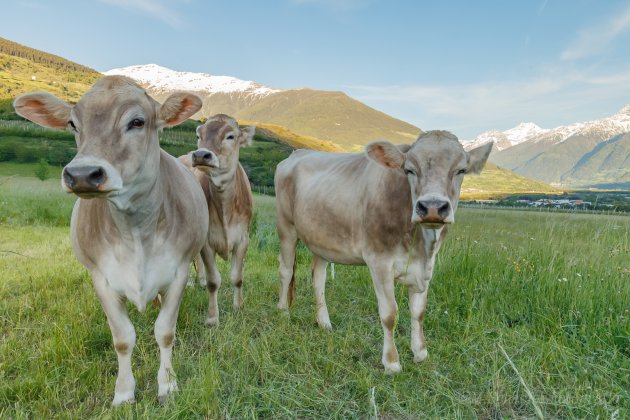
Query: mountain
{"x": 327, "y": 115}
{"x": 580, "y": 154}
{"x": 25, "y": 69}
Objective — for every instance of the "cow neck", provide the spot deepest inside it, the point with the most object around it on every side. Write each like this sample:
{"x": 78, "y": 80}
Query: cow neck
{"x": 425, "y": 241}
{"x": 138, "y": 209}
{"x": 223, "y": 189}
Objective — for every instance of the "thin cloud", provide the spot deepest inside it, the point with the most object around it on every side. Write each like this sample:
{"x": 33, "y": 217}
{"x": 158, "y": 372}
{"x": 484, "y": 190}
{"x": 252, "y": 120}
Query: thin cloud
{"x": 153, "y": 8}
{"x": 554, "y": 99}
{"x": 596, "y": 38}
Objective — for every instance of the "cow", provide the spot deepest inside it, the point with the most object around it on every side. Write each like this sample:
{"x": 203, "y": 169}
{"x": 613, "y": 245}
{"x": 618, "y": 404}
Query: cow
{"x": 388, "y": 208}
{"x": 230, "y": 204}
{"x": 140, "y": 216}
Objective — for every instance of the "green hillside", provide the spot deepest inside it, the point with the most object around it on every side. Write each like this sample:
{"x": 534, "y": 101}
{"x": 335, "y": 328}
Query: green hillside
{"x": 331, "y": 116}
{"x": 24, "y": 69}
{"x": 607, "y": 163}
{"x": 496, "y": 182}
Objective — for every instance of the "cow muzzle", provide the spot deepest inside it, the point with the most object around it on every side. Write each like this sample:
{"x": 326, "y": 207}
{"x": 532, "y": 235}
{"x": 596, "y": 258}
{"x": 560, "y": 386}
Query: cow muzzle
{"x": 204, "y": 157}
{"x": 90, "y": 178}
{"x": 433, "y": 214}
{"x": 84, "y": 179}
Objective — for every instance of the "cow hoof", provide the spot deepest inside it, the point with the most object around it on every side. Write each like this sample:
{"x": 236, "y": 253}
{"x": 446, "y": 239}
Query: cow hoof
{"x": 392, "y": 368}
{"x": 165, "y": 391}
{"x": 421, "y": 356}
{"x": 212, "y": 321}
{"x": 325, "y": 325}
{"x": 123, "y": 398}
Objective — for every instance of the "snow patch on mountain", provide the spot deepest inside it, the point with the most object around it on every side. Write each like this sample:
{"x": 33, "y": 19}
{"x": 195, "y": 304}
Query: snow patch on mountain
{"x": 529, "y": 132}
{"x": 158, "y": 78}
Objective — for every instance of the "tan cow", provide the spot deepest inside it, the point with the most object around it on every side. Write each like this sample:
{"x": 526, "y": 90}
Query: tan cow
{"x": 140, "y": 216}
{"x": 230, "y": 203}
{"x": 388, "y": 209}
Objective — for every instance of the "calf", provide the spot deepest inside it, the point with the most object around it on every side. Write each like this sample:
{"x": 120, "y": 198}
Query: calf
{"x": 140, "y": 216}
{"x": 230, "y": 203}
{"x": 388, "y": 209}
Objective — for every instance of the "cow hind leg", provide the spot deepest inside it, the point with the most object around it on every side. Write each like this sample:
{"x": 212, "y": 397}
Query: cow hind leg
{"x": 287, "y": 263}
{"x": 213, "y": 284}
{"x": 124, "y": 338}
{"x": 201, "y": 271}
{"x": 236, "y": 274}
{"x": 165, "y": 333}
{"x": 318, "y": 269}
{"x": 383, "y": 280}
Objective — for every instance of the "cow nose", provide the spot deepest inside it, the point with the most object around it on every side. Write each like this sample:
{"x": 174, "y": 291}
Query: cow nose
{"x": 433, "y": 210}
{"x": 84, "y": 178}
{"x": 201, "y": 157}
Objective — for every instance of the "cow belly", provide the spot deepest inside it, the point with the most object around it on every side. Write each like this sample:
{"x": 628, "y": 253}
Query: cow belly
{"x": 139, "y": 279}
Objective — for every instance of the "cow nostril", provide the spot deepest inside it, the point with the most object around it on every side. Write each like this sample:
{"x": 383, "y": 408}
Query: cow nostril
{"x": 421, "y": 209}
{"x": 68, "y": 178}
{"x": 96, "y": 177}
{"x": 207, "y": 156}
{"x": 444, "y": 209}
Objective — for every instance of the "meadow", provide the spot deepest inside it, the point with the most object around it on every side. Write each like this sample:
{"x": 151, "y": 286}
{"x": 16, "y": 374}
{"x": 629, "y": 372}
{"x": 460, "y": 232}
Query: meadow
{"x": 528, "y": 315}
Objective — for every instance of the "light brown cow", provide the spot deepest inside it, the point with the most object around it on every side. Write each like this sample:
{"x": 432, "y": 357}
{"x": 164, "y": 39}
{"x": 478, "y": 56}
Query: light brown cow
{"x": 388, "y": 209}
{"x": 230, "y": 203}
{"x": 140, "y": 216}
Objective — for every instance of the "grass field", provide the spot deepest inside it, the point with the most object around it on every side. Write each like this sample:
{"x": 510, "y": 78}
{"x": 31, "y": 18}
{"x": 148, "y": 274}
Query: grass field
{"x": 552, "y": 290}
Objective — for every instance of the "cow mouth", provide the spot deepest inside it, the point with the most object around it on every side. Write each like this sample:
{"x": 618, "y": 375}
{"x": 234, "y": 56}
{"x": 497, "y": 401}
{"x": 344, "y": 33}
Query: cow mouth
{"x": 205, "y": 166}
{"x": 433, "y": 224}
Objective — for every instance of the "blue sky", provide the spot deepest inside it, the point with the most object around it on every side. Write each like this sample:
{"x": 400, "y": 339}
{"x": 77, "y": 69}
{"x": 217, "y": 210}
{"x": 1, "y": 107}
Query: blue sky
{"x": 461, "y": 65}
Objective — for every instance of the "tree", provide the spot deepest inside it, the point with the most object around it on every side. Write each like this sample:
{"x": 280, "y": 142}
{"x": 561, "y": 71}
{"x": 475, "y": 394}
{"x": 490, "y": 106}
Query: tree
{"x": 41, "y": 171}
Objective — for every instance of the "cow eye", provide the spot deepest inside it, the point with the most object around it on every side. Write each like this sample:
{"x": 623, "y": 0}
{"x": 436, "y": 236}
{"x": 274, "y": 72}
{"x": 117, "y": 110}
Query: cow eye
{"x": 72, "y": 126}
{"x": 461, "y": 172}
{"x": 135, "y": 123}
{"x": 409, "y": 172}
{"x": 230, "y": 137}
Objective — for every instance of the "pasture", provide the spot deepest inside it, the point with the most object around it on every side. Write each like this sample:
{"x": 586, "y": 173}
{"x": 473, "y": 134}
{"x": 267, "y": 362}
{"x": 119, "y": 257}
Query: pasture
{"x": 552, "y": 290}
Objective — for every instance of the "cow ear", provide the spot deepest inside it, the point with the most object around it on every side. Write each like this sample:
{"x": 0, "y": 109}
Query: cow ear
{"x": 385, "y": 154}
{"x": 247, "y": 135}
{"x": 43, "y": 108}
{"x": 177, "y": 108}
{"x": 477, "y": 158}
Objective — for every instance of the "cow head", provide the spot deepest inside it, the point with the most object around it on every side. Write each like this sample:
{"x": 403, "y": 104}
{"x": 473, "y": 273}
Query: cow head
{"x": 435, "y": 166}
{"x": 115, "y": 125}
{"x": 218, "y": 144}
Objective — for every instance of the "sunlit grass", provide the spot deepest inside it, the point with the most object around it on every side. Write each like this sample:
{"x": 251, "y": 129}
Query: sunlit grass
{"x": 552, "y": 289}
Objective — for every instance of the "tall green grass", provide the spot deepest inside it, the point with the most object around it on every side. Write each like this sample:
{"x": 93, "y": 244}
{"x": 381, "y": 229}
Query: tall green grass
{"x": 552, "y": 289}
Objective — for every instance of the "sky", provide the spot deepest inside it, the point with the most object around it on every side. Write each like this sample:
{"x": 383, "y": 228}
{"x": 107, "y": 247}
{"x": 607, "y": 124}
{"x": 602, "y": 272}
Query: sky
{"x": 460, "y": 65}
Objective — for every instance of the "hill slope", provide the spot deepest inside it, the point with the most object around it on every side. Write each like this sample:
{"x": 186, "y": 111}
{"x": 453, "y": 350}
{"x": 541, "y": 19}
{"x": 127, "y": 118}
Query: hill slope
{"x": 331, "y": 116}
{"x": 24, "y": 69}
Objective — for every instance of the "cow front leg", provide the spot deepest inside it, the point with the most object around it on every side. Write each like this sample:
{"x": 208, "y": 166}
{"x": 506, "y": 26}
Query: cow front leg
{"x": 123, "y": 336}
{"x": 417, "y": 307}
{"x": 213, "y": 284}
{"x": 383, "y": 280}
{"x": 318, "y": 269}
{"x": 165, "y": 333}
{"x": 236, "y": 274}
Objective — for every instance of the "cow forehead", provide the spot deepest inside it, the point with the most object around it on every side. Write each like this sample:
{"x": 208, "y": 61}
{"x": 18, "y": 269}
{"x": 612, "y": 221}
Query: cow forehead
{"x": 217, "y": 125}
{"x": 438, "y": 149}
{"x": 110, "y": 93}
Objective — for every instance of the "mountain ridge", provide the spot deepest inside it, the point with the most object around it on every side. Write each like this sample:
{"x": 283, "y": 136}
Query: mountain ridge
{"x": 558, "y": 155}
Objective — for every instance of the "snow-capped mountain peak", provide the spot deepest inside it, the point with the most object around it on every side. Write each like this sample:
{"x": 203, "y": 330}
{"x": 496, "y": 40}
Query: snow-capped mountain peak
{"x": 158, "y": 78}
